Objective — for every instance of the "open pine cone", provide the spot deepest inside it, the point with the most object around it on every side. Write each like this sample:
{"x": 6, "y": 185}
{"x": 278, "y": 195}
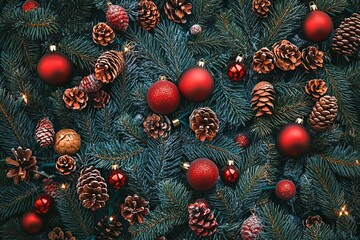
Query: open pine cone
{"x": 23, "y": 165}
{"x": 316, "y": 88}
{"x": 89, "y": 84}
{"x": 109, "y": 66}
{"x": 312, "y": 220}
{"x": 263, "y": 61}
{"x": 312, "y": 58}
{"x": 177, "y": 10}
{"x": 109, "y": 230}
{"x": 134, "y": 209}
{"x": 100, "y": 98}
{"x": 103, "y": 34}
{"x": 205, "y": 124}
{"x": 44, "y": 133}
{"x": 261, "y": 7}
{"x": 58, "y": 234}
{"x": 201, "y": 220}
{"x": 287, "y": 55}
{"x": 65, "y": 165}
{"x": 156, "y": 126}
{"x": 323, "y": 113}
{"x": 75, "y": 98}
{"x": 263, "y": 98}
{"x": 148, "y": 14}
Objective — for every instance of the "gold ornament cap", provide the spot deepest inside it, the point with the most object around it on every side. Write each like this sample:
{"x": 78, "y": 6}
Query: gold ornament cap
{"x": 230, "y": 162}
{"x": 240, "y": 58}
{"x": 312, "y": 6}
{"x": 175, "y": 122}
{"x": 52, "y": 48}
{"x": 201, "y": 62}
{"x": 300, "y": 120}
{"x": 185, "y": 165}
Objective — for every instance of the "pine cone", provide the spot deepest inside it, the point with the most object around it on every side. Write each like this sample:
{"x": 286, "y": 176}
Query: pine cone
{"x": 312, "y": 58}
{"x": 263, "y": 98}
{"x": 156, "y": 126}
{"x": 201, "y": 220}
{"x": 323, "y": 113}
{"x": 109, "y": 66}
{"x": 99, "y": 99}
{"x": 177, "y": 10}
{"x": 92, "y": 188}
{"x": 103, "y": 34}
{"x": 347, "y": 36}
{"x": 58, "y": 234}
{"x": 161, "y": 238}
{"x": 109, "y": 230}
{"x": 50, "y": 187}
{"x": 44, "y": 133}
{"x": 65, "y": 165}
{"x": 75, "y": 99}
{"x": 287, "y": 55}
{"x": 263, "y": 61}
{"x": 134, "y": 209}
{"x": 23, "y": 165}
{"x": 205, "y": 124}
{"x": 311, "y": 220}
{"x": 89, "y": 84}
{"x": 316, "y": 88}
{"x": 148, "y": 14}
{"x": 251, "y": 228}
{"x": 261, "y": 7}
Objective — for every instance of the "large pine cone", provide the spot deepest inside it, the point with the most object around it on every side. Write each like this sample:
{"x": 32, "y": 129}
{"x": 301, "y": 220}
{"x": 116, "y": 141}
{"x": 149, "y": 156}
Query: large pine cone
{"x": 312, "y": 220}
{"x": 109, "y": 66}
{"x": 201, "y": 220}
{"x": 312, "y": 58}
{"x": 89, "y": 84}
{"x": 205, "y": 124}
{"x": 92, "y": 188}
{"x": 156, "y": 126}
{"x": 148, "y": 14}
{"x": 177, "y": 10}
{"x": 23, "y": 165}
{"x": 103, "y": 34}
{"x": 58, "y": 234}
{"x": 263, "y": 61}
{"x": 347, "y": 36}
{"x": 251, "y": 228}
{"x": 287, "y": 55}
{"x": 323, "y": 113}
{"x": 134, "y": 209}
{"x": 100, "y": 98}
{"x": 109, "y": 230}
{"x": 65, "y": 165}
{"x": 316, "y": 88}
{"x": 75, "y": 98}
{"x": 261, "y": 7}
{"x": 44, "y": 133}
{"x": 263, "y": 98}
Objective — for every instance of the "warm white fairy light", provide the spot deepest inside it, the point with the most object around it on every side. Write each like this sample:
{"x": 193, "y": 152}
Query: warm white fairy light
{"x": 24, "y": 98}
{"x": 111, "y": 218}
{"x": 343, "y": 211}
{"x": 63, "y": 186}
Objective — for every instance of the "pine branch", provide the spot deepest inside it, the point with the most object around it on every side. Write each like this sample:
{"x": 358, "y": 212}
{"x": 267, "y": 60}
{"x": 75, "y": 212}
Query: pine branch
{"x": 173, "y": 194}
{"x": 226, "y": 202}
{"x": 207, "y": 43}
{"x": 331, "y": 7}
{"x": 130, "y": 130}
{"x": 204, "y": 11}
{"x": 12, "y": 230}
{"x": 318, "y": 232}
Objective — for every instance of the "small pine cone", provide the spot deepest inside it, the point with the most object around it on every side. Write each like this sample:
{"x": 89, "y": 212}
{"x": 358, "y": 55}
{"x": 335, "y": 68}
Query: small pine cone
{"x": 323, "y": 113}
{"x": 251, "y": 228}
{"x": 134, "y": 209}
{"x": 312, "y": 58}
{"x": 316, "y": 88}
{"x": 92, "y": 189}
{"x": 23, "y": 165}
{"x": 100, "y": 99}
{"x": 177, "y": 10}
{"x": 263, "y": 61}
{"x": 44, "y": 133}
{"x": 65, "y": 165}
{"x": 75, "y": 98}
{"x": 347, "y": 36}
{"x": 156, "y": 126}
{"x": 201, "y": 220}
{"x": 109, "y": 230}
{"x": 109, "y": 66}
{"x": 261, "y": 7}
{"x": 103, "y": 34}
{"x": 287, "y": 55}
{"x": 312, "y": 220}
{"x": 148, "y": 13}
{"x": 205, "y": 124}
{"x": 50, "y": 187}
{"x": 263, "y": 98}
{"x": 89, "y": 84}
{"x": 58, "y": 234}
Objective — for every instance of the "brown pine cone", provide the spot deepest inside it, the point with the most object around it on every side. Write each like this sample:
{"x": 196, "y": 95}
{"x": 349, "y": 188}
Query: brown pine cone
{"x": 347, "y": 36}
{"x": 261, "y": 7}
{"x": 323, "y": 113}
{"x": 312, "y": 220}
{"x": 50, "y": 187}
{"x": 204, "y": 122}
{"x": 44, "y": 133}
{"x": 156, "y": 126}
{"x": 161, "y": 238}
{"x": 177, "y": 10}
{"x": 287, "y": 55}
{"x": 201, "y": 220}
{"x": 109, "y": 229}
{"x": 92, "y": 188}
{"x": 89, "y": 84}
{"x": 65, "y": 165}
{"x": 263, "y": 61}
{"x": 148, "y": 13}
{"x": 263, "y": 98}
{"x": 109, "y": 66}
{"x": 103, "y": 34}
{"x": 316, "y": 88}
{"x": 312, "y": 58}
{"x": 23, "y": 165}
{"x": 100, "y": 99}
{"x": 58, "y": 234}
{"x": 75, "y": 99}
{"x": 134, "y": 209}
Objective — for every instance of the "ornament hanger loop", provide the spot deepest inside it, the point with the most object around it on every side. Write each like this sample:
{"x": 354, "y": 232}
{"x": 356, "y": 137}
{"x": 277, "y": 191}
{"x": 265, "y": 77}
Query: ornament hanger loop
{"x": 312, "y": 6}
{"x": 300, "y": 120}
{"x": 240, "y": 57}
{"x": 201, "y": 62}
{"x": 52, "y": 48}
{"x": 162, "y": 77}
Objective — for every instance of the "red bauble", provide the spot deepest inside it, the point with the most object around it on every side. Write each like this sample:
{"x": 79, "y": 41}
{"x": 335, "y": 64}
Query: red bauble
{"x": 230, "y": 174}
{"x": 117, "y": 17}
{"x": 32, "y": 223}
{"x": 196, "y": 84}
{"x": 29, "y": 5}
{"x": 285, "y": 189}
{"x": 42, "y": 203}
{"x": 117, "y": 179}
{"x": 163, "y": 97}
{"x": 242, "y": 140}
{"x": 293, "y": 140}
{"x": 236, "y": 70}
{"x": 202, "y": 174}
{"x": 317, "y": 25}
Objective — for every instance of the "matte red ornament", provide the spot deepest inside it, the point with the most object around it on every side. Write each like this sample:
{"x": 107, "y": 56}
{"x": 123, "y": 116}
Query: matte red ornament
{"x": 32, "y": 223}
{"x": 29, "y": 5}
{"x": 202, "y": 174}
{"x": 163, "y": 96}
{"x": 117, "y": 178}
{"x": 242, "y": 140}
{"x": 42, "y": 203}
{"x": 237, "y": 70}
{"x": 117, "y": 17}
{"x": 285, "y": 189}
{"x": 230, "y": 174}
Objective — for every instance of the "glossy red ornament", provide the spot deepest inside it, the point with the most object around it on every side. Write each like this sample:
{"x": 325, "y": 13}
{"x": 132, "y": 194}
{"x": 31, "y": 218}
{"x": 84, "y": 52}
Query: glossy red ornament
{"x": 237, "y": 70}
{"x": 242, "y": 140}
{"x": 32, "y": 223}
{"x": 117, "y": 17}
{"x": 317, "y": 25}
{"x": 163, "y": 97}
{"x": 202, "y": 174}
{"x": 117, "y": 178}
{"x": 230, "y": 174}
{"x": 29, "y": 5}
{"x": 285, "y": 189}
{"x": 42, "y": 203}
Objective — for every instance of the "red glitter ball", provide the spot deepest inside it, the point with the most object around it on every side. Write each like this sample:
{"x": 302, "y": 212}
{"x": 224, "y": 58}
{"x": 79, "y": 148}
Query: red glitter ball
{"x": 230, "y": 175}
{"x": 117, "y": 179}
{"x": 236, "y": 71}
{"x": 42, "y": 203}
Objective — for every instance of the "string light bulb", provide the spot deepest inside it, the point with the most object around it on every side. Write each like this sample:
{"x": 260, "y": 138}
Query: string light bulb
{"x": 63, "y": 186}
{"x": 25, "y": 98}
{"x": 344, "y": 211}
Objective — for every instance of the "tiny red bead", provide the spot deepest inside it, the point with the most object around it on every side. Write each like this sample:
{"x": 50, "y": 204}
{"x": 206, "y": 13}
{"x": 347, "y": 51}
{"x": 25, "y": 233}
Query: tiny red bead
{"x": 236, "y": 71}
{"x": 117, "y": 179}
{"x": 242, "y": 140}
{"x": 42, "y": 204}
{"x": 230, "y": 175}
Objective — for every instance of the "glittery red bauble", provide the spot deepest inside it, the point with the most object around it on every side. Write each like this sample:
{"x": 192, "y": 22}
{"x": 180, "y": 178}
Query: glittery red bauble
{"x": 293, "y": 140}
{"x": 29, "y": 5}
{"x": 117, "y": 17}
{"x": 54, "y": 68}
{"x": 163, "y": 97}
{"x": 196, "y": 84}
{"x": 117, "y": 179}
{"x": 202, "y": 174}
{"x": 32, "y": 223}
{"x": 242, "y": 140}
{"x": 236, "y": 71}
{"x": 317, "y": 26}
{"x": 230, "y": 175}
{"x": 42, "y": 204}
{"x": 285, "y": 189}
